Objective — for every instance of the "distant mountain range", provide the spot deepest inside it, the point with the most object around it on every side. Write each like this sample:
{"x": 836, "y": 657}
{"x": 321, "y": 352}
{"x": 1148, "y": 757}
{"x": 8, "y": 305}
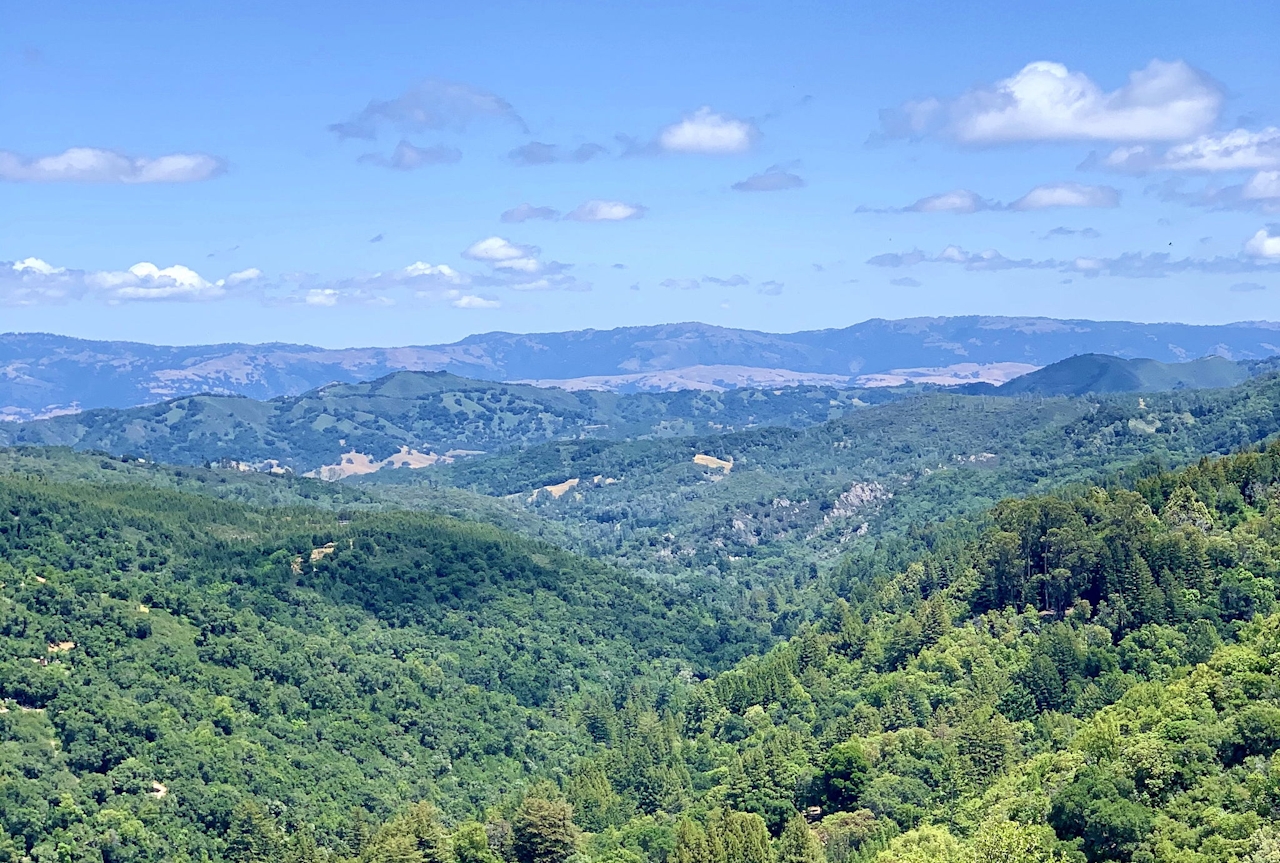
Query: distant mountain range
{"x": 43, "y": 375}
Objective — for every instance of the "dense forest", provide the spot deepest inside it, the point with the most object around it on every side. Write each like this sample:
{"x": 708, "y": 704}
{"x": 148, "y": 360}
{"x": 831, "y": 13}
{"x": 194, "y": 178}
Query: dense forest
{"x": 1086, "y": 675}
{"x": 942, "y": 628}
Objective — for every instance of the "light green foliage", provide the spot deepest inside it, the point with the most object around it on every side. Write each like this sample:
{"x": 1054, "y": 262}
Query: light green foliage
{"x": 543, "y": 831}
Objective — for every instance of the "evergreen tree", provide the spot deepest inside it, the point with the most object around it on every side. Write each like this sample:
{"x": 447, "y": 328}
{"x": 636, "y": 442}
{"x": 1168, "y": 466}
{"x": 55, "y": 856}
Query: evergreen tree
{"x": 252, "y": 836}
{"x": 798, "y": 844}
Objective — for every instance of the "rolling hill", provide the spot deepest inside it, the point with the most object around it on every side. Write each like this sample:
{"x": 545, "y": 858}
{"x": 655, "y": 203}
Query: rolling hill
{"x": 1102, "y": 373}
{"x": 416, "y": 419}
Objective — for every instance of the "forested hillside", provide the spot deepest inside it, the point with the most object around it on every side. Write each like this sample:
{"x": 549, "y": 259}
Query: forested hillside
{"x": 1083, "y": 676}
{"x": 793, "y": 497}
{"x": 431, "y": 414}
{"x": 165, "y": 657}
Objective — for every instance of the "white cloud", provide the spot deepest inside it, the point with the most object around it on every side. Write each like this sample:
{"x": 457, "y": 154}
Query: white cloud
{"x": 497, "y": 249}
{"x": 705, "y": 131}
{"x": 1046, "y": 101}
{"x": 956, "y": 201}
{"x": 470, "y": 301}
{"x": 605, "y": 211}
{"x": 250, "y": 275}
{"x": 502, "y": 254}
{"x": 1067, "y": 195}
{"x": 91, "y": 165}
{"x": 1263, "y": 185}
{"x": 33, "y": 281}
{"x": 443, "y": 272}
{"x": 519, "y": 268}
{"x": 37, "y": 267}
{"x": 322, "y": 297}
{"x": 1237, "y": 150}
{"x": 1264, "y": 244}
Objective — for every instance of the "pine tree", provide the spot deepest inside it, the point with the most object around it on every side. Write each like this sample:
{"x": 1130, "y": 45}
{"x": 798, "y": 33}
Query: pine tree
{"x": 252, "y": 837}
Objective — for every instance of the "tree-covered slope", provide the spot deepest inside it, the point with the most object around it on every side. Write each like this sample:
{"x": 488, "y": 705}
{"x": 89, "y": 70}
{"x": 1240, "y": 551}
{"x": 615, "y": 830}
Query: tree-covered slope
{"x": 164, "y": 657}
{"x": 433, "y": 413}
{"x": 1086, "y": 677}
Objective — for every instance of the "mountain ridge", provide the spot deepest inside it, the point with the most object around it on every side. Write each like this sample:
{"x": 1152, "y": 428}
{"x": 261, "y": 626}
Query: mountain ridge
{"x": 43, "y": 374}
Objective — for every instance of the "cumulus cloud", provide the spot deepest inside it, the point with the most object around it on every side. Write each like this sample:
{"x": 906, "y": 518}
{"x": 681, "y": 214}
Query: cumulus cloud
{"x": 1067, "y": 195}
{"x": 1237, "y": 150}
{"x": 1046, "y": 101}
{"x": 905, "y": 282}
{"x": 525, "y": 212}
{"x": 1264, "y": 244}
{"x": 432, "y": 105}
{"x": 770, "y": 288}
{"x": 503, "y": 254}
{"x": 538, "y": 153}
{"x": 772, "y": 179}
{"x": 1247, "y": 287}
{"x": 680, "y": 284}
{"x": 33, "y": 281}
{"x": 1132, "y": 265}
{"x": 520, "y": 268}
{"x": 91, "y": 165}
{"x": 605, "y": 211}
{"x": 407, "y": 157}
{"x": 708, "y": 132}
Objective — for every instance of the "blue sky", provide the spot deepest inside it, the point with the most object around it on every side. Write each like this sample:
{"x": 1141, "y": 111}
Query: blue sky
{"x": 312, "y": 172}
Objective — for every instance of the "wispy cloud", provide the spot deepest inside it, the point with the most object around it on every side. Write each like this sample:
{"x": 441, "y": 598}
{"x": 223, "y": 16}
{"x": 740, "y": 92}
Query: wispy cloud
{"x": 432, "y": 105}
{"x": 1043, "y": 197}
{"x": 1261, "y": 254}
{"x": 538, "y": 153}
{"x": 775, "y": 178}
{"x": 1087, "y": 233}
{"x": 525, "y": 212}
{"x": 1046, "y": 101}
{"x": 734, "y": 281}
{"x": 92, "y": 165}
{"x": 407, "y": 157}
{"x": 605, "y": 211}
